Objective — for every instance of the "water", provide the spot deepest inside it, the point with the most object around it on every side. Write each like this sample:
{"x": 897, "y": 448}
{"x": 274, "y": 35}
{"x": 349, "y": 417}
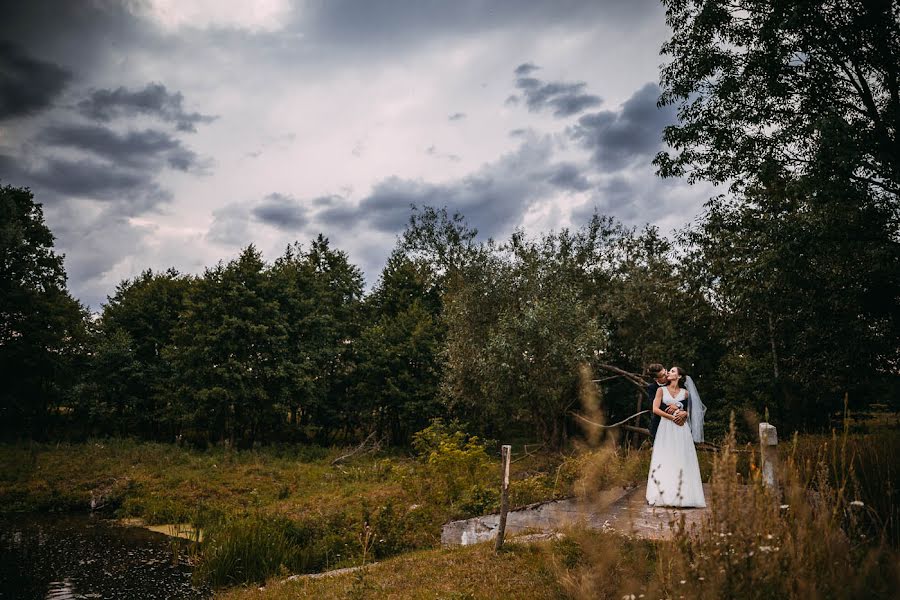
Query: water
{"x": 57, "y": 557}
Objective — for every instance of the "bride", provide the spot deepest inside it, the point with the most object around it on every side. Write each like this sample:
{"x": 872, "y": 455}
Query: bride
{"x": 674, "y": 478}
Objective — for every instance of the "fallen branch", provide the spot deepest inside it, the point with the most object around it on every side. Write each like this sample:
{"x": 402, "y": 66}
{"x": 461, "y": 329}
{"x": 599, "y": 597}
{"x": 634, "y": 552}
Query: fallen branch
{"x": 632, "y": 377}
{"x": 620, "y": 423}
{"x": 365, "y": 448}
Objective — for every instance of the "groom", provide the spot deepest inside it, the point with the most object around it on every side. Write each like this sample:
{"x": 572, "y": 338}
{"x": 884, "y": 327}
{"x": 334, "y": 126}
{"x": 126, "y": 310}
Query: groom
{"x": 658, "y": 373}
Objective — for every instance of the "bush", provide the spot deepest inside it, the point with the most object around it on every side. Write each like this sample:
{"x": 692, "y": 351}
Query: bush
{"x": 457, "y": 467}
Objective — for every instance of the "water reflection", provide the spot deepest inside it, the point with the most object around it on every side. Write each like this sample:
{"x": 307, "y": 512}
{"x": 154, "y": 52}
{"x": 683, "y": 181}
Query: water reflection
{"x": 67, "y": 557}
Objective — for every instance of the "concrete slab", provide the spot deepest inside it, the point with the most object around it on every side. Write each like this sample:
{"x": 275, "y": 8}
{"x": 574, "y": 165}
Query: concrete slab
{"x": 625, "y": 511}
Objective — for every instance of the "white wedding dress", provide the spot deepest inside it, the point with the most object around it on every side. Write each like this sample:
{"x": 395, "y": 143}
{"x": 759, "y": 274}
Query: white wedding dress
{"x": 674, "y": 478}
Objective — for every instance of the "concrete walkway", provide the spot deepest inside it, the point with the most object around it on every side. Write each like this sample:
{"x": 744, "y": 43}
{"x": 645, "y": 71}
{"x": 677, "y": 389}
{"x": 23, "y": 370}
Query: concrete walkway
{"x": 625, "y": 511}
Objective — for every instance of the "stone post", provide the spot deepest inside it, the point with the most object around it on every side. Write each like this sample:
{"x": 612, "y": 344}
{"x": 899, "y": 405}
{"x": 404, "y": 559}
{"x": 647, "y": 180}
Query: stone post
{"x": 768, "y": 454}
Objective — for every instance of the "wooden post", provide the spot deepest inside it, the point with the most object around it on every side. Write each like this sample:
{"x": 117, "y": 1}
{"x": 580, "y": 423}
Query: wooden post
{"x": 768, "y": 454}
{"x": 505, "y": 451}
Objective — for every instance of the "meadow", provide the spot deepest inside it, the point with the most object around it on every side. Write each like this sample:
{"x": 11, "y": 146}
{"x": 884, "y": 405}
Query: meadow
{"x": 281, "y": 510}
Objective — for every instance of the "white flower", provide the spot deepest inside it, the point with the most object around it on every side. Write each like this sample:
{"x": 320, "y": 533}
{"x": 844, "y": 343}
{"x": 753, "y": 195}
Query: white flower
{"x": 785, "y": 506}
{"x": 765, "y": 548}
{"x": 857, "y": 503}
{"x": 769, "y": 536}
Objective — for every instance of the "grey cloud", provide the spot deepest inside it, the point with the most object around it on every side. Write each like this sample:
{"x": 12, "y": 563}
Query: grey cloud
{"x": 326, "y": 200}
{"x": 564, "y": 99}
{"x": 129, "y": 192}
{"x": 27, "y": 85}
{"x": 230, "y": 226}
{"x": 567, "y": 176}
{"x": 368, "y": 26}
{"x": 456, "y": 116}
{"x": 282, "y": 212}
{"x": 525, "y": 69}
{"x": 147, "y": 149}
{"x": 617, "y": 139}
{"x": 494, "y": 198}
{"x": 154, "y": 100}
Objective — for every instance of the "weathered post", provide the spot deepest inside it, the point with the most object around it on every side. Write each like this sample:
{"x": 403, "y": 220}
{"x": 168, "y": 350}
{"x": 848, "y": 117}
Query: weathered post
{"x": 768, "y": 454}
{"x": 504, "y": 494}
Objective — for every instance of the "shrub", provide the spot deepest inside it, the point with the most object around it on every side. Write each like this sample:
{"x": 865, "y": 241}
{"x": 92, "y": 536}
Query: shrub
{"x": 456, "y": 464}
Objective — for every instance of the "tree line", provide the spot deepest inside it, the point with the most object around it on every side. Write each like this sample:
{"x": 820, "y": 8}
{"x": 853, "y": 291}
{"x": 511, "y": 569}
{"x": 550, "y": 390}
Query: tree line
{"x": 782, "y": 296}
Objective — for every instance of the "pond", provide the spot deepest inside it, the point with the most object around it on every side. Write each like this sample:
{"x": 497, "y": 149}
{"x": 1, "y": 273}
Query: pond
{"x": 78, "y": 556}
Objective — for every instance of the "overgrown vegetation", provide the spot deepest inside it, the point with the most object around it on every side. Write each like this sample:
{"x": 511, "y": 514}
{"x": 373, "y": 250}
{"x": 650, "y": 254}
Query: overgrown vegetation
{"x": 822, "y": 534}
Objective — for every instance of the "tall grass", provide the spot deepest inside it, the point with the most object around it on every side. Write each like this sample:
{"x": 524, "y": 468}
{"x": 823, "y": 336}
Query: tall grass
{"x": 825, "y": 533}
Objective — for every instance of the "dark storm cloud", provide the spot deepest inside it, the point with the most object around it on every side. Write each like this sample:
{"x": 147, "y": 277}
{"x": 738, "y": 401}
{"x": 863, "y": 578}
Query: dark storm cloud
{"x": 493, "y": 198}
{"x": 617, "y": 139}
{"x": 27, "y": 85}
{"x": 564, "y": 99}
{"x": 132, "y": 190}
{"x": 377, "y": 26}
{"x": 56, "y": 181}
{"x": 282, "y": 212}
{"x": 147, "y": 149}
{"x": 567, "y": 176}
{"x": 154, "y": 100}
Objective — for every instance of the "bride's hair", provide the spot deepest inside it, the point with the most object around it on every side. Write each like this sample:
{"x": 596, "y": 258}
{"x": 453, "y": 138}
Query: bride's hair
{"x": 682, "y": 376}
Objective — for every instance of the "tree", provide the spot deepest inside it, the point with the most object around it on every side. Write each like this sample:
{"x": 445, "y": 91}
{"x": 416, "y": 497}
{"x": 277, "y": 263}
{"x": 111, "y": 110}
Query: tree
{"x": 521, "y": 320}
{"x": 225, "y": 353}
{"x": 319, "y": 295}
{"x": 137, "y": 323}
{"x": 784, "y": 82}
{"x": 807, "y": 289}
{"x": 398, "y": 354}
{"x": 796, "y": 106}
{"x": 41, "y": 325}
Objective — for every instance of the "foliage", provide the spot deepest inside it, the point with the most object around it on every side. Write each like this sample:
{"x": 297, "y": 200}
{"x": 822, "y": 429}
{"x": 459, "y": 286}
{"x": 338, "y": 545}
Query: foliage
{"x": 397, "y": 356}
{"x": 781, "y": 263}
{"x": 456, "y": 467}
{"x": 794, "y": 84}
{"x": 42, "y": 330}
{"x": 795, "y": 106}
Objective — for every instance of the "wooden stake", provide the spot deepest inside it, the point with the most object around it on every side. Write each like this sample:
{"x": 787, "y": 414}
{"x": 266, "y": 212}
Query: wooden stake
{"x": 505, "y": 452}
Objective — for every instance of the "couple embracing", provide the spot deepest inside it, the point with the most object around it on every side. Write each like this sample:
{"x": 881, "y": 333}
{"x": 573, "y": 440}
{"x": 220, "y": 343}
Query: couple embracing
{"x": 677, "y": 423}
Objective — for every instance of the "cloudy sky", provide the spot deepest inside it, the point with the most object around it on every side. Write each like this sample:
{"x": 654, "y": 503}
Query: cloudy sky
{"x": 164, "y": 133}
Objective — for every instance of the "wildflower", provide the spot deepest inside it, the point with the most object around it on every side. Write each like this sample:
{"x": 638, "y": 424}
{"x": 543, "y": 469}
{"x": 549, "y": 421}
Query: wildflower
{"x": 785, "y": 506}
{"x": 683, "y": 581}
{"x": 769, "y": 536}
{"x": 857, "y": 503}
{"x": 765, "y": 548}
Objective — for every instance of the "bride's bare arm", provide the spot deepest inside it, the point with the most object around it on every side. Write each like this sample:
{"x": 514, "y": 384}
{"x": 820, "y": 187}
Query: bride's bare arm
{"x": 657, "y": 402}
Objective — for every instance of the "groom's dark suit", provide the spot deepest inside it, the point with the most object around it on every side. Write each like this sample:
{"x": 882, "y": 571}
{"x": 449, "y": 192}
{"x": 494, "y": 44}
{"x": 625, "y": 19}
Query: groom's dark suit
{"x": 654, "y": 419}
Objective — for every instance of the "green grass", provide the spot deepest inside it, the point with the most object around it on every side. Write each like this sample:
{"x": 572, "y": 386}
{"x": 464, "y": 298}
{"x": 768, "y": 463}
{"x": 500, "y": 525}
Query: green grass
{"x": 281, "y": 510}
{"x": 311, "y": 512}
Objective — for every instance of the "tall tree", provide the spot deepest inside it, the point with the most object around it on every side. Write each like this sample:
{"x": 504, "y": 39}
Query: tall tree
{"x": 398, "y": 354}
{"x": 224, "y": 353}
{"x": 319, "y": 294}
{"x": 41, "y": 325}
{"x": 137, "y": 324}
{"x": 795, "y": 105}
{"x": 784, "y": 82}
